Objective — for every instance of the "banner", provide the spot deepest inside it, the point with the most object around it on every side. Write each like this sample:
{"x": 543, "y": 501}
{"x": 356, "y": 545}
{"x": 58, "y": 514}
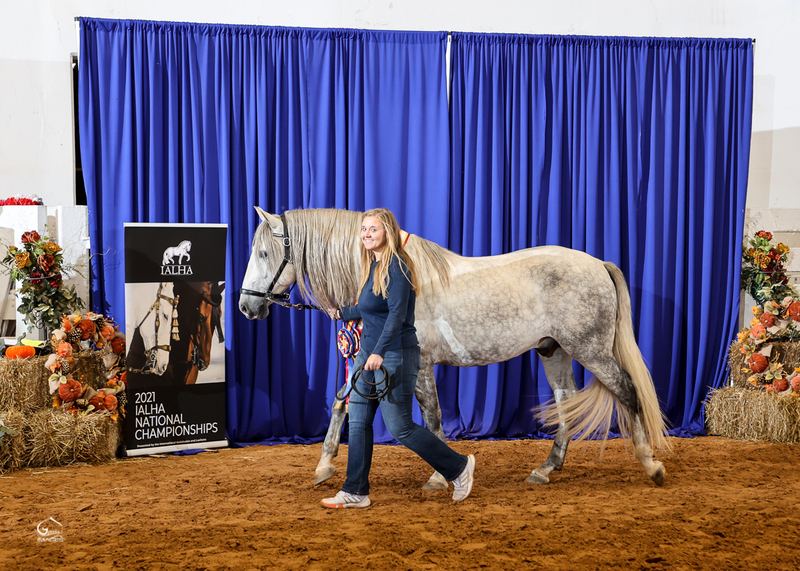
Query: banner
{"x": 174, "y": 326}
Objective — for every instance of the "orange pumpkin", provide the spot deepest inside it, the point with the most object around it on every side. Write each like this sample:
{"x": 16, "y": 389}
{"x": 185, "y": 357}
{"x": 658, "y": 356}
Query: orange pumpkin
{"x": 110, "y": 403}
{"x": 794, "y": 311}
{"x": 796, "y": 384}
{"x": 780, "y": 385}
{"x": 64, "y": 350}
{"x": 108, "y": 332}
{"x": 767, "y": 320}
{"x": 757, "y": 362}
{"x": 70, "y": 391}
{"x": 20, "y": 352}
{"x": 118, "y": 345}
{"x": 88, "y": 329}
{"x": 99, "y": 401}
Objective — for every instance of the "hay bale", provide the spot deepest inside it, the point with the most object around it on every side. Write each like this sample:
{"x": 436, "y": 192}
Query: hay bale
{"x": 747, "y": 414}
{"x": 784, "y": 352}
{"x": 23, "y": 382}
{"x": 14, "y": 448}
{"x": 57, "y": 438}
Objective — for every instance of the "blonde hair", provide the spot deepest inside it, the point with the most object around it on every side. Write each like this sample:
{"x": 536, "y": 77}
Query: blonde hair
{"x": 392, "y": 249}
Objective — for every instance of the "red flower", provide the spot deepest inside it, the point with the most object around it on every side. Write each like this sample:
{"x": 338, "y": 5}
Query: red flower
{"x": 32, "y": 236}
{"x": 46, "y": 261}
{"x": 764, "y": 234}
{"x": 55, "y": 281}
{"x": 36, "y": 278}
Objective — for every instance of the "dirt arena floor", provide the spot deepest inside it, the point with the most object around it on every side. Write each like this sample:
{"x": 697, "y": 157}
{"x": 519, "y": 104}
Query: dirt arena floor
{"x": 726, "y": 505}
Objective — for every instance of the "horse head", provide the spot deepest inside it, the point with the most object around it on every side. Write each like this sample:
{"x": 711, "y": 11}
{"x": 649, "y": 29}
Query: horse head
{"x": 264, "y": 275}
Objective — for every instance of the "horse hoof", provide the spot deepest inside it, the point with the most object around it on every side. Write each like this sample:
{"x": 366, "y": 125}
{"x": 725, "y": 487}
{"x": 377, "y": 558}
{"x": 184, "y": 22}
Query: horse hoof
{"x": 537, "y": 478}
{"x": 660, "y": 475}
{"x": 322, "y": 474}
{"x": 436, "y": 482}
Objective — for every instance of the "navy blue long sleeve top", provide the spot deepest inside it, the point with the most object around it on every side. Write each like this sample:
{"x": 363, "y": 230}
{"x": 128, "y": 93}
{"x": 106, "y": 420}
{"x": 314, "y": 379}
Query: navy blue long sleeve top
{"x": 388, "y": 323}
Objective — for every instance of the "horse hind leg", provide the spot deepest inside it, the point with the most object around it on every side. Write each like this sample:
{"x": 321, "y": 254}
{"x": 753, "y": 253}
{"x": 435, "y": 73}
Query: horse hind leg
{"x": 558, "y": 368}
{"x": 619, "y": 384}
{"x": 428, "y": 400}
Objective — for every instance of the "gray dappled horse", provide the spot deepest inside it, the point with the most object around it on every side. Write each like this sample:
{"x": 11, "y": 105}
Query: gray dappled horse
{"x": 563, "y": 303}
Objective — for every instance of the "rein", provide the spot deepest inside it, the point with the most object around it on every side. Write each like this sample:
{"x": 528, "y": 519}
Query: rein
{"x": 281, "y": 299}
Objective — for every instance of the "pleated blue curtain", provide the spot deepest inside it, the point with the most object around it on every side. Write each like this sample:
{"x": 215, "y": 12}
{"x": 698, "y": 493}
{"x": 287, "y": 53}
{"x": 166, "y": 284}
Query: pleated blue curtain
{"x": 634, "y": 150}
{"x": 200, "y": 123}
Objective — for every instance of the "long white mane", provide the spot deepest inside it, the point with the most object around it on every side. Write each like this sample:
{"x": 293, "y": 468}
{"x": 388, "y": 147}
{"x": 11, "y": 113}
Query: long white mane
{"x": 325, "y": 252}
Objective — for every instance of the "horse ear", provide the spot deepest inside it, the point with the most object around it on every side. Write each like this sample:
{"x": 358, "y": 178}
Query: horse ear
{"x": 273, "y": 221}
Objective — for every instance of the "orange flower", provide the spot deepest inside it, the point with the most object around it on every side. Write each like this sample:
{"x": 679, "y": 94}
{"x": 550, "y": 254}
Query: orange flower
{"x": 757, "y": 311}
{"x": 22, "y": 259}
{"x": 65, "y": 324}
{"x": 52, "y": 247}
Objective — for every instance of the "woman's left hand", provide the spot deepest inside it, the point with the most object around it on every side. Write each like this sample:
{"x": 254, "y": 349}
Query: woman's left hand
{"x": 373, "y": 363}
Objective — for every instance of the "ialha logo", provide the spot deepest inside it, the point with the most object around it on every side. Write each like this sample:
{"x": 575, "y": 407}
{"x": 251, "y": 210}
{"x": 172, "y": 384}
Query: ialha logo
{"x": 171, "y": 267}
{"x": 49, "y": 530}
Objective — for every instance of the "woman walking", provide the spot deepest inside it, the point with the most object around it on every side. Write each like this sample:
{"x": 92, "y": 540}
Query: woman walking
{"x": 386, "y": 301}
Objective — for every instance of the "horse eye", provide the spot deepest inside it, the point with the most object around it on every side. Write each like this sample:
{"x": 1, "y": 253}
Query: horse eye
{"x": 264, "y": 255}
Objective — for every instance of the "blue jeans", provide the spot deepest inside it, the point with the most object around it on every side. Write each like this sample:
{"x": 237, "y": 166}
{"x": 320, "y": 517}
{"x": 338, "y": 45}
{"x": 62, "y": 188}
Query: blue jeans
{"x": 402, "y": 367}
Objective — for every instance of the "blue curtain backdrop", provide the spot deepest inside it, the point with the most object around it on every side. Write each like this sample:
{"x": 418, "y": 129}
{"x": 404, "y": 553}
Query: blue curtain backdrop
{"x": 634, "y": 150}
{"x": 199, "y": 123}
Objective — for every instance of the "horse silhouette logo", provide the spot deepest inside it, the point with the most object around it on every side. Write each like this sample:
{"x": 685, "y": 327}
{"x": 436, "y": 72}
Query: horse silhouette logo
{"x": 181, "y": 251}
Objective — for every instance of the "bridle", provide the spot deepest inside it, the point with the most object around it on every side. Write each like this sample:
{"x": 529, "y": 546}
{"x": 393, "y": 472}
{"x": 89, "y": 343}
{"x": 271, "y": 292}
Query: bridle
{"x": 282, "y": 298}
{"x": 151, "y": 354}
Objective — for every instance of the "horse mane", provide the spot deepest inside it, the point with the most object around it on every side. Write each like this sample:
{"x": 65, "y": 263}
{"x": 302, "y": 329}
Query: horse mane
{"x": 325, "y": 250}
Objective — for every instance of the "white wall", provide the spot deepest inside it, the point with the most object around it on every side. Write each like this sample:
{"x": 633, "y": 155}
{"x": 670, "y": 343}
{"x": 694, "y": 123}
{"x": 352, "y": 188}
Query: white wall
{"x": 37, "y": 37}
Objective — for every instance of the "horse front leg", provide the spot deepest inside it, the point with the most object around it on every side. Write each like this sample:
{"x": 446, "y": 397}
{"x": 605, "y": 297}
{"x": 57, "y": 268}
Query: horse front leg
{"x": 558, "y": 368}
{"x": 428, "y": 399}
{"x": 330, "y": 447}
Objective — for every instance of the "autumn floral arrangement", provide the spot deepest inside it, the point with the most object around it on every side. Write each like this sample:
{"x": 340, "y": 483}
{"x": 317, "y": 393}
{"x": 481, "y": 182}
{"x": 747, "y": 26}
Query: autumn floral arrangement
{"x": 776, "y": 318}
{"x": 87, "y": 332}
{"x": 39, "y": 266}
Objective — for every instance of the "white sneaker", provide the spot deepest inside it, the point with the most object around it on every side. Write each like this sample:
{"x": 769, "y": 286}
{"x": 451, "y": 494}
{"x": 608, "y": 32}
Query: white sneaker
{"x": 462, "y": 485}
{"x": 345, "y": 500}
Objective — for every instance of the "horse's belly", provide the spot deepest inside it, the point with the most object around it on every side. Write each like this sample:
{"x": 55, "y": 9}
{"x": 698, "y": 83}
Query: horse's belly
{"x": 494, "y": 314}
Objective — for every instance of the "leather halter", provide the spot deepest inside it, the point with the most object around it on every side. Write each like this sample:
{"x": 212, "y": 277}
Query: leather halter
{"x": 283, "y": 297}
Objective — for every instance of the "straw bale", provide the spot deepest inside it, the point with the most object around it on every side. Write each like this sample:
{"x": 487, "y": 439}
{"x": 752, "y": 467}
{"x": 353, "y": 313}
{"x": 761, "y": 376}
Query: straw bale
{"x": 57, "y": 438}
{"x": 747, "y": 414}
{"x": 14, "y": 448}
{"x": 23, "y": 382}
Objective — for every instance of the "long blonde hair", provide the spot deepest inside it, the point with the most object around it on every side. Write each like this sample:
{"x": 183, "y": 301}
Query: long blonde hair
{"x": 393, "y": 248}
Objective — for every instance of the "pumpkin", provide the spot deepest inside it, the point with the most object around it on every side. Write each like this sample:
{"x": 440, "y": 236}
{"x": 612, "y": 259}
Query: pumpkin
{"x": 796, "y": 383}
{"x": 118, "y": 345}
{"x": 794, "y": 311}
{"x": 757, "y": 362}
{"x": 70, "y": 391}
{"x": 99, "y": 401}
{"x": 64, "y": 350}
{"x": 780, "y": 385}
{"x": 767, "y": 320}
{"x": 108, "y": 332}
{"x": 110, "y": 402}
{"x": 20, "y": 352}
{"x": 769, "y": 388}
{"x": 88, "y": 329}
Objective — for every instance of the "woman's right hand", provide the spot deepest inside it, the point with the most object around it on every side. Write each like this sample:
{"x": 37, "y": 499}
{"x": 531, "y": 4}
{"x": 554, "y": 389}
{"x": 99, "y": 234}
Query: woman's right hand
{"x": 334, "y": 314}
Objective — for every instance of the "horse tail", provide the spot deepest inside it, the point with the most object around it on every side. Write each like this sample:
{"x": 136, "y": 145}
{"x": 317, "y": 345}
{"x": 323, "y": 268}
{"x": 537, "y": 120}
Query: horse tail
{"x": 628, "y": 355}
